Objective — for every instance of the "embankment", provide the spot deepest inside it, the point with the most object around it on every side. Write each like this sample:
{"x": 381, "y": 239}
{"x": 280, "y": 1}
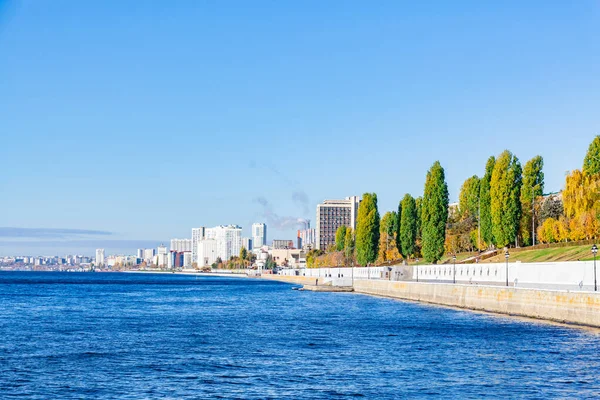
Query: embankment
{"x": 581, "y": 308}
{"x": 299, "y": 280}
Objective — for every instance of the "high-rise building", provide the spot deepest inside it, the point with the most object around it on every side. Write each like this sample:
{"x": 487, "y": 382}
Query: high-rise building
{"x": 247, "y": 243}
{"x": 332, "y": 214}
{"x": 162, "y": 254}
{"x": 197, "y": 234}
{"x": 228, "y": 239}
{"x": 181, "y": 245}
{"x": 149, "y": 255}
{"x": 259, "y": 235}
{"x": 306, "y": 238}
{"x": 99, "y": 257}
{"x": 140, "y": 253}
{"x": 207, "y": 252}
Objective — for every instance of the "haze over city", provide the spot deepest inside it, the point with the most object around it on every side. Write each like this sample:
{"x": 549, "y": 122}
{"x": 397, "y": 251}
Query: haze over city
{"x": 126, "y": 124}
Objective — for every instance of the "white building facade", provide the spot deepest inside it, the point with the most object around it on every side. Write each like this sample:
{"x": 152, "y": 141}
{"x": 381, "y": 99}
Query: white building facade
{"x": 197, "y": 234}
{"x": 100, "y": 257}
{"x": 228, "y": 240}
{"x": 259, "y": 235}
{"x": 181, "y": 245}
{"x": 207, "y": 252}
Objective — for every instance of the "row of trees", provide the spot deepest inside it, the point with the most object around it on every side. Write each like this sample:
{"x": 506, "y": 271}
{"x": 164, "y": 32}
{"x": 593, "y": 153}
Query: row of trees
{"x": 504, "y": 207}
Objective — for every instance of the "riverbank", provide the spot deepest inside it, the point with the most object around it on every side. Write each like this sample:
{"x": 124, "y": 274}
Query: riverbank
{"x": 567, "y": 307}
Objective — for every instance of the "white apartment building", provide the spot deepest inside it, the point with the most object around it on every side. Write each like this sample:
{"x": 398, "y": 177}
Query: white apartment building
{"x": 162, "y": 259}
{"x": 259, "y": 235}
{"x": 228, "y": 240}
{"x": 332, "y": 214}
{"x": 207, "y": 252}
{"x": 100, "y": 257}
{"x": 149, "y": 255}
{"x": 181, "y": 245}
{"x": 197, "y": 234}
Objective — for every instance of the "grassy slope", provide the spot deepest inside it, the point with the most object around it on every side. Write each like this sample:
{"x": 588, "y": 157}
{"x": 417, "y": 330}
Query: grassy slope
{"x": 573, "y": 253}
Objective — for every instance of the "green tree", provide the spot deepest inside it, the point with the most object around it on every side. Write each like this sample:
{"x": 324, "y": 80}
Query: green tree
{"x": 340, "y": 237}
{"x": 408, "y": 226}
{"x": 532, "y": 188}
{"x": 243, "y": 254}
{"x": 505, "y": 192}
{"x": 398, "y": 225}
{"x": 419, "y": 205}
{"x": 468, "y": 199}
{"x": 434, "y": 213}
{"x": 387, "y": 237}
{"x": 485, "y": 212}
{"x": 367, "y": 230}
{"x": 591, "y": 163}
{"x": 349, "y": 243}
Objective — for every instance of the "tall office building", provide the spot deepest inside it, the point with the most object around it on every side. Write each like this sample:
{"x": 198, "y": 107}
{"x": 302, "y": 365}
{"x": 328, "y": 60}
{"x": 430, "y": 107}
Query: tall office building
{"x": 99, "y": 257}
{"x": 259, "y": 235}
{"x": 228, "y": 240}
{"x": 197, "y": 234}
{"x": 332, "y": 214}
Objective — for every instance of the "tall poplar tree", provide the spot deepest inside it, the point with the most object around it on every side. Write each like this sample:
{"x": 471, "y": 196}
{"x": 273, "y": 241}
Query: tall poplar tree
{"x": 468, "y": 199}
{"x": 485, "y": 213}
{"x": 505, "y": 192}
{"x": 408, "y": 226}
{"x": 340, "y": 238}
{"x": 398, "y": 227}
{"x": 532, "y": 188}
{"x": 419, "y": 205}
{"x": 367, "y": 230}
{"x": 591, "y": 163}
{"x": 434, "y": 214}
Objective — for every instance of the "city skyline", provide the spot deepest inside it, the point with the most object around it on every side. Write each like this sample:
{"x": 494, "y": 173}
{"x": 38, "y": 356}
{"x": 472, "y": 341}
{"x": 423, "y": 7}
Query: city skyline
{"x": 104, "y": 139}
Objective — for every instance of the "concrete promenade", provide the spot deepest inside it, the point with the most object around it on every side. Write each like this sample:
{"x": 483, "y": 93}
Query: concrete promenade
{"x": 570, "y": 307}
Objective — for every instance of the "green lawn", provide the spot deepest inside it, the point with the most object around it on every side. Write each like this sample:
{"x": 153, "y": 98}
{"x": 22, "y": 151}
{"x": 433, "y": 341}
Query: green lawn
{"x": 574, "y": 253}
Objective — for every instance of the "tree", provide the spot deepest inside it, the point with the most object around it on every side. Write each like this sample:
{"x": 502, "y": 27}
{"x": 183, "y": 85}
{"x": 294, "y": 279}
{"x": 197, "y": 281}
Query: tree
{"x": 468, "y": 199}
{"x": 591, "y": 163}
{"x": 349, "y": 247}
{"x": 398, "y": 225}
{"x": 552, "y": 207}
{"x": 243, "y": 254}
{"x": 340, "y": 237}
{"x": 532, "y": 188}
{"x": 388, "y": 249}
{"x": 419, "y": 204}
{"x": 505, "y": 192}
{"x": 367, "y": 230}
{"x": 485, "y": 212}
{"x": 434, "y": 213}
{"x": 408, "y": 226}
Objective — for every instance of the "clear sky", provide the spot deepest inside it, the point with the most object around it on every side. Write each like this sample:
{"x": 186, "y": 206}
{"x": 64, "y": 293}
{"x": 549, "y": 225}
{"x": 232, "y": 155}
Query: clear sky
{"x": 135, "y": 121}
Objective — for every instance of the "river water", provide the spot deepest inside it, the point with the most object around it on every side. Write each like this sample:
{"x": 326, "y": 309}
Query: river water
{"x": 138, "y": 336}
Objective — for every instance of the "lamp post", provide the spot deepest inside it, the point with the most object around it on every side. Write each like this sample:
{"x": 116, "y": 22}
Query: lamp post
{"x": 506, "y": 255}
{"x": 454, "y": 269}
{"x": 595, "y": 251}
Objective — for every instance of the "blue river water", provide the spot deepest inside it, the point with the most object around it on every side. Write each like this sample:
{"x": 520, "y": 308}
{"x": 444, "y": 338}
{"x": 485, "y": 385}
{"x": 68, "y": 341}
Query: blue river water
{"x": 139, "y": 336}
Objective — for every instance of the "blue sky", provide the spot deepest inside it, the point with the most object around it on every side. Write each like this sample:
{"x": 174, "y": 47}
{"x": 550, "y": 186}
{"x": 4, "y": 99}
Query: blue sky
{"x": 145, "y": 119}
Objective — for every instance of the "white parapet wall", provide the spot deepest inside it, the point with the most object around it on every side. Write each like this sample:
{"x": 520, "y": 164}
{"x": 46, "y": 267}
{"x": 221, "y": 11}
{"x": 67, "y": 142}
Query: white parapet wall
{"x": 581, "y": 308}
{"x": 572, "y": 275}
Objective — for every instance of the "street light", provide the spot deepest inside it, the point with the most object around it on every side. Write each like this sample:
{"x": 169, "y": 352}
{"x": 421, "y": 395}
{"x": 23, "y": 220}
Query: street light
{"x": 594, "y": 251}
{"x": 454, "y": 269}
{"x": 506, "y": 255}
